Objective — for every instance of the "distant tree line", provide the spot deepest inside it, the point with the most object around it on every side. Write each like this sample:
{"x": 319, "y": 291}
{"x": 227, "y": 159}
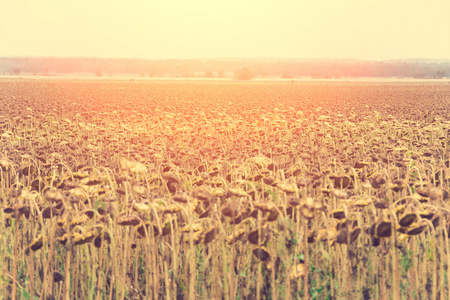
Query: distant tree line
{"x": 219, "y": 68}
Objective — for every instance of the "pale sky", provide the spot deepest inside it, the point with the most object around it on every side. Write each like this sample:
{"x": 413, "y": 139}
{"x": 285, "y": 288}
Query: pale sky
{"x": 362, "y": 29}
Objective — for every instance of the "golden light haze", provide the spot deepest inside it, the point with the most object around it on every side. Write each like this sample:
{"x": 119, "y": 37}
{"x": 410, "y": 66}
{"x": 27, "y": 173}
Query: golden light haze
{"x": 234, "y": 28}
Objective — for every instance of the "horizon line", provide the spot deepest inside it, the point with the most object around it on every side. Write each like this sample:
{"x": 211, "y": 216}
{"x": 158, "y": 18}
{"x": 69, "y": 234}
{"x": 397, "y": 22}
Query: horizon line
{"x": 225, "y": 58}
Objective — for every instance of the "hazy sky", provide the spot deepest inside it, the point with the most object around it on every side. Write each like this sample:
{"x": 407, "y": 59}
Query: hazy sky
{"x": 365, "y": 29}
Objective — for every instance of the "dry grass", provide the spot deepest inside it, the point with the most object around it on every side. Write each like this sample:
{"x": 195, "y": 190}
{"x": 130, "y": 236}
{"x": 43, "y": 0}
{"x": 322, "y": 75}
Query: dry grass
{"x": 157, "y": 190}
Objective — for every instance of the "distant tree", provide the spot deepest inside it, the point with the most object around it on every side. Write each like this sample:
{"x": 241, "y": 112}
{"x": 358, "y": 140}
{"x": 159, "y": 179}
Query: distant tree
{"x": 221, "y": 74}
{"x": 208, "y": 74}
{"x": 420, "y": 75}
{"x": 315, "y": 74}
{"x": 439, "y": 74}
{"x": 286, "y": 75}
{"x": 243, "y": 74}
{"x": 16, "y": 71}
{"x": 337, "y": 74}
{"x": 98, "y": 73}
